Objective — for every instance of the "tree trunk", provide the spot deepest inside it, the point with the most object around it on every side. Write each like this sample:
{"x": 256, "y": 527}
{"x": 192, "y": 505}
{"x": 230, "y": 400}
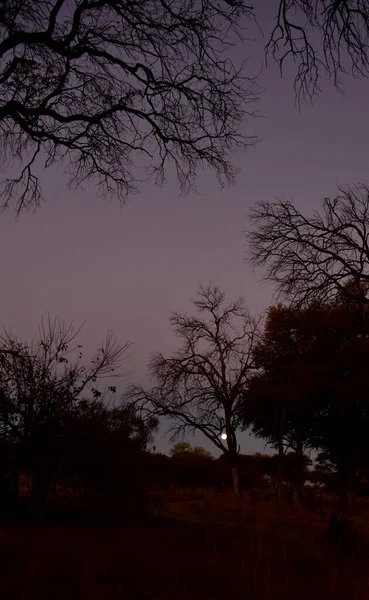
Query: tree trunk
{"x": 347, "y": 491}
{"x": 8, "y": 491}
{"x": 280, "y": 425}
{"x": 236, "y": 481}
{"x": 300, "y": 490}
{"x": 300, "y": 473}
{"x": 41, "y": 479}
{"x": 15, "y": 487}
{"x": 232, "y": 454}
{"x": 344, "y": 499}
{"x": 321, "y": 512}
{"x": 280, "y": 472}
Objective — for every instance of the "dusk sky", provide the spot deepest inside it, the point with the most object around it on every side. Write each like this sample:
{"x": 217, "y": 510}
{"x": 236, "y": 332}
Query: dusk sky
{"x": 86, "y": 259}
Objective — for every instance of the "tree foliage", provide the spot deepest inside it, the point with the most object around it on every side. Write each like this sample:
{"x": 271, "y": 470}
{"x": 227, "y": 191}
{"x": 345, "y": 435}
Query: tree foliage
{"x": 289, "y": 356}
{"x": 41, "y": 380}
{"x": 186, "y": 451}
{"x": 279, "y": 402}
{"x": 293, "y": 472}
{"x": 99, "y": 456}
{"x": 313, "y": 363}
{"x": 41, "y": 385}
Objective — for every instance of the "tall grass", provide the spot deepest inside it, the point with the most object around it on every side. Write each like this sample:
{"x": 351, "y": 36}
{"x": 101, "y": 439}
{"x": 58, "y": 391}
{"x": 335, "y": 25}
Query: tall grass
{"x": 208, "y": 546}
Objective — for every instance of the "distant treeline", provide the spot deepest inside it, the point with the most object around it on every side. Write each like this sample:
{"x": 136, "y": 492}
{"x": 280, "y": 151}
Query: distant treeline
{"x": 203, "y": 472}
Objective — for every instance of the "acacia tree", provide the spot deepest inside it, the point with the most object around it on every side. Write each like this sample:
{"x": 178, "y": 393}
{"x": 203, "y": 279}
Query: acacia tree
{"x": 106, "y": 86}
{"x": 41, "y": 384}
{"x": 200, "y": 387}
{"x": 314, "y": 258}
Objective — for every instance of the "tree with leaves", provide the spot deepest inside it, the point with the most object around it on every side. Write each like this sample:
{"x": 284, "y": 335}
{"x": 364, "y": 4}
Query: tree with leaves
{"x": 114, "y": 89}
{"x": 293, "y": 471}
{"x": 279, "y": 400}
{"x": 200, "y": 387}
{"x": 100, "y": 457}
{"x": 185, "y": 450}
{"x": 324, "y": 351}
{"x": 342, "y": 423}
{"x": 318, "y": 257}
{"x": 41, "y": 384}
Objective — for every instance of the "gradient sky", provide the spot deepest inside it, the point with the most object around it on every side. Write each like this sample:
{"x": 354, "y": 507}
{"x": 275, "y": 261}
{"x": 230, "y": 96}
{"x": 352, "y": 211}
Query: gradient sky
{"x": 82, "y": 258}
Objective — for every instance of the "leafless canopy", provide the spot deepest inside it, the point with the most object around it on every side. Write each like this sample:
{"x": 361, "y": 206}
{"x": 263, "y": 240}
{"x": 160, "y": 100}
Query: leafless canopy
{"x": 313, "y": 258}
{"x": 105, "y": 85}
{"x": 342, "y": 28}
{"x": 200, "y": 386}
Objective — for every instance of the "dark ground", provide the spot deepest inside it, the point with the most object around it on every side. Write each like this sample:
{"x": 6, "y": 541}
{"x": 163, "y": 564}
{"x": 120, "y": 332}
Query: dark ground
{"x": 198, "y": 546}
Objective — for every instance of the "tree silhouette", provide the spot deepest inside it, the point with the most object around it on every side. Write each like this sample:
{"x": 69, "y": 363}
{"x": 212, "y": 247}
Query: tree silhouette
{"x": 278, "y": 401}
{"x": 107, "y": 87}
{"x": 341, "y": 428}
{"x": 41, "y": 386}
{"x": 322, "y": 386}
{"x": 99, "y": 457}
{"x": 293, "y": 471}
{"x": 185, "y": 450}
{"x": 314, "y": 258}
{"x": 115, "y": 90}
{"x": 200, "y": 387}
{"x": 320, "y": 37}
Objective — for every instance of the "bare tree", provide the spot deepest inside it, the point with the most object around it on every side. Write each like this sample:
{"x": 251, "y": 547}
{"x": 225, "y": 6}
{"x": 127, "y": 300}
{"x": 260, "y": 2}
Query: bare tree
{"x": 116, "y": 90}
{"x": 54, "y": 359}
{"x": 201, "y": 386}
{"x": 316, "y": 258}
{"x": 41, "y": 385}
{"x": 327, "y": 37}
{"x": 105, "y": 87}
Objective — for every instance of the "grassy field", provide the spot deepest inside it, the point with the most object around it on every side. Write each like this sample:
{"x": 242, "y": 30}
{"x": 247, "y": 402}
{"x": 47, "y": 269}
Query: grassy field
{"x": 197, "y": 545}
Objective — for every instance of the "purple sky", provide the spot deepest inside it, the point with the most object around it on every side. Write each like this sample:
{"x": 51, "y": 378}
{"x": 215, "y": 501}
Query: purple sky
{"x": 85, "y": 259}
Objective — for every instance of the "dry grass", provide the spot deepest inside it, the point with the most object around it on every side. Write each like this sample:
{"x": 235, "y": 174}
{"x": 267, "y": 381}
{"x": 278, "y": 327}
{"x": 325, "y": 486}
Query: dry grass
{"x": 206, "y": 546}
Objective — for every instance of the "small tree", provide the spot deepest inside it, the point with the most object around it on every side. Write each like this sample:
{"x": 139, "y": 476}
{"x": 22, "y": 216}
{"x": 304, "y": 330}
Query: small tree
{"x": 180, "y": 449}
{"x": 200, "y": 387}
{"x": 185, "y": 450}
{"x": 42, "y": 383}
